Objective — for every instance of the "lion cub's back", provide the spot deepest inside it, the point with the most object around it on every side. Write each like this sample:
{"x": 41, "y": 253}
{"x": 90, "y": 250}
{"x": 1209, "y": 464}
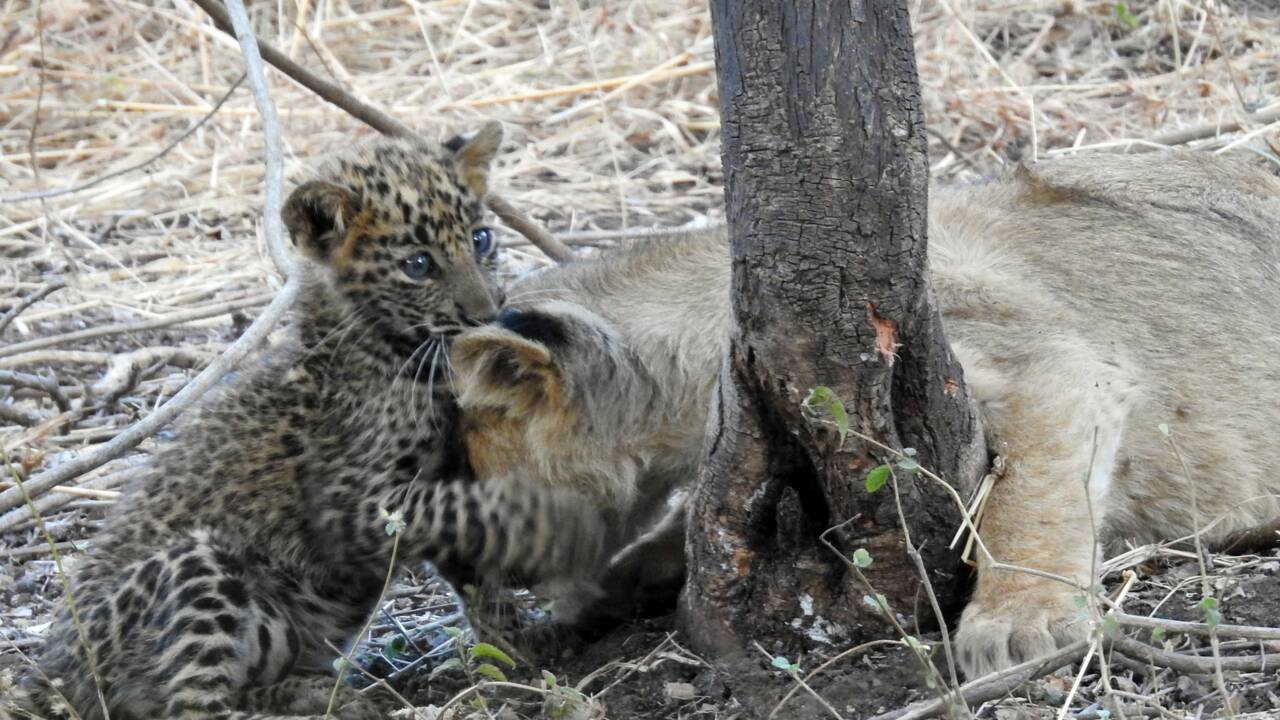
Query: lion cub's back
{"x": 1164, "y": 267}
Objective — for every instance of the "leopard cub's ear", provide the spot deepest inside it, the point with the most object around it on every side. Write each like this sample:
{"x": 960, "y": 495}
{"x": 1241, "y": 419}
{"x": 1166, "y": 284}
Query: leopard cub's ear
{"x": 504, "y": 366}
{"x": 474, "y": 155}
{"x": 316, "y": 215}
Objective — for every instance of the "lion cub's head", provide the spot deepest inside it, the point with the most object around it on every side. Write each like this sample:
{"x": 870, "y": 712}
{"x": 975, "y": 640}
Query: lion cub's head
{"x": 552, "y": 391}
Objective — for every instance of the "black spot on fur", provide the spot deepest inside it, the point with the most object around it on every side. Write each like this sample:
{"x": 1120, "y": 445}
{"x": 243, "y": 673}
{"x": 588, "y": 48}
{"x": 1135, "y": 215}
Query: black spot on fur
{"x": 292, "y": 448}
{"x": 234, "y": 591}
{"x": 536, "y": 326}
{"x": 226, "y": 623}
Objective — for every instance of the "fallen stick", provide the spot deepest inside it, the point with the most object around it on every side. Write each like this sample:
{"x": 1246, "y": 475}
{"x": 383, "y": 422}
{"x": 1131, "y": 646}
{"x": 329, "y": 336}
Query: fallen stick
{"x": 1195, "y": 628}
{"x": 1192, "y": 665}
{"x": 994, "y": 685}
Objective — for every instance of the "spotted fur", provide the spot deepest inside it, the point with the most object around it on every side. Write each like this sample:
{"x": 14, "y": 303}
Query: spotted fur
{"x": 260, "y": 539}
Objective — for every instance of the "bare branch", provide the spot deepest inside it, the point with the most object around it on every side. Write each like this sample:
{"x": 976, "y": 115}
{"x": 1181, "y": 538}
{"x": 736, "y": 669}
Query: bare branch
{"x": 30, "y": 300}
{"x": 1189, "y": 664}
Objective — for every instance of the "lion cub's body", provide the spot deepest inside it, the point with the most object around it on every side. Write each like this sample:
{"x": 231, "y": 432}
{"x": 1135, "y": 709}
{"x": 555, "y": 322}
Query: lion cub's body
{"x": 1089, "y": 300}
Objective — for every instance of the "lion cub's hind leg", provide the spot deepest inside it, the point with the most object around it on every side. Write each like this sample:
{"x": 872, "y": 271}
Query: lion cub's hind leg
{"x": 1059, "y": 423}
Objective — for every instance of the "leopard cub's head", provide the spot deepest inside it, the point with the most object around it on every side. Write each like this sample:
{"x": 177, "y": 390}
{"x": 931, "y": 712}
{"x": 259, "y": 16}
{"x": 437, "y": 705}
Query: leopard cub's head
{"x": 396, "y": 228}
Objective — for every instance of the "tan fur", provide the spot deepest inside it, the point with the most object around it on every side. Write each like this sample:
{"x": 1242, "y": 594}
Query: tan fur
{"x": 1089, "y": 300}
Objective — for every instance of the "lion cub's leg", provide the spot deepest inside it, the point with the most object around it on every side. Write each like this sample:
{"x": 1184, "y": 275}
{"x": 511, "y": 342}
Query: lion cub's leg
{"x": 1059, "y": 424}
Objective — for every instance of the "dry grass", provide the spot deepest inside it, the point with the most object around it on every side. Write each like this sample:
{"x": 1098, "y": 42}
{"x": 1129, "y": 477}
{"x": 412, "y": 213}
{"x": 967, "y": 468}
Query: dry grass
{"x": 612, "y": 123}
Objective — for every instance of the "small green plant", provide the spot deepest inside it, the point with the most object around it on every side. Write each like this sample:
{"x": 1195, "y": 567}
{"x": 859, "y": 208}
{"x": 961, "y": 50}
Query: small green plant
{"x": 1209, "y": 608}
{"x": 862, "y": 558}
{"x": 878, "y": 476}
{"x": 562, "y": 701}
{"x": 1125, "y": 16}
{"x": 822, "y": 400}
{"x": 480, "y": 659}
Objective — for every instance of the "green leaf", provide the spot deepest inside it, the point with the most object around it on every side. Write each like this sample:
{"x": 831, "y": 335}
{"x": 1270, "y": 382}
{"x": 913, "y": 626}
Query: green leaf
{"x": 818, "y": 396}
{"x": 909, "y": 465}
{"x": 549, "y": 679}
{"x": 1164, "y": 429}
{"x": 485, "y": 650}
{"x": 491, "y": 671}
{"x": 861, "y": 558}
{"x": 784, "y": 664}
{"x": 824, "y": 398}
{"x": 876, "y": 479}
{"x": 877, "y": 602}
{"x": 453, "y": 632}
{"x": 1209, "y": 606}
{"x": 1079, "y": 601}
{"x": 1126, "y": 17}
{"x": 452, "y": 663}
{"x": 915, "y": 644}
{"x": 1157, "y": 635}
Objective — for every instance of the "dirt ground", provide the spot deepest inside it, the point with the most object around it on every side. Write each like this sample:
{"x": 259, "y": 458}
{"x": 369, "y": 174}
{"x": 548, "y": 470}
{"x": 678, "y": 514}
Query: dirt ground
{"x": 131, "y": 211}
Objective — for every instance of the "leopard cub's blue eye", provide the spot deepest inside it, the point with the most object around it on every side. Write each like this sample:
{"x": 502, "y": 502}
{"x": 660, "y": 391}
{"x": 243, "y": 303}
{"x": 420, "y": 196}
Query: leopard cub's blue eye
{"x": 483, "y": 238}
{"x": 418, "y": 266}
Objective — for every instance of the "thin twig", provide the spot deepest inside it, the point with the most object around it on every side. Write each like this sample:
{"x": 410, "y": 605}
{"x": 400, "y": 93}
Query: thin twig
{"x": 30, "y": 300}
{"x": 48, "y": 386}
{"x": 168, "y": 320}
{"x": 328, "y": 91}
{"x": 835, "y": 659}
{"x": 56, "y": 192}
{"x": 914, "y": 554}
{"x": 801, "y": 682}
{"x": 1205, "y": 590}
{"x": 543, "y": 240}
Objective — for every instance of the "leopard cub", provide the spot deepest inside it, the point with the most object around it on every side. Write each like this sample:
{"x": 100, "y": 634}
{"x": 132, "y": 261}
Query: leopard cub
{"x": 259, "y": 543}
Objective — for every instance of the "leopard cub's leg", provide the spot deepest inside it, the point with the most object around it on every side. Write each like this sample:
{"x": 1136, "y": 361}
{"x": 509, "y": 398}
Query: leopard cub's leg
{"x": 1059, "y": 425}
{"x": 310, "y": 695}
{"x": 206, "y": 630}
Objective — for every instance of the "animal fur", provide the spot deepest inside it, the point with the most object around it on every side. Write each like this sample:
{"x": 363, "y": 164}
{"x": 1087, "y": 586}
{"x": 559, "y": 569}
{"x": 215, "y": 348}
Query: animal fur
{"x": 1090, "y": 300}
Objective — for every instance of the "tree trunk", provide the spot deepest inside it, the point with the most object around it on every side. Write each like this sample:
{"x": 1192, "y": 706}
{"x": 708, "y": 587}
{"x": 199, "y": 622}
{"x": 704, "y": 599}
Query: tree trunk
{"x": 826, "y": 178}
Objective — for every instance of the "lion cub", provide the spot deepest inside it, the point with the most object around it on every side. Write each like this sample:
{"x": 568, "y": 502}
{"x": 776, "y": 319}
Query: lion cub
{"x": 1090, "y": 300}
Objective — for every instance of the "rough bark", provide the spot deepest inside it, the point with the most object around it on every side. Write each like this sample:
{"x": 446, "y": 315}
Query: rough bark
{"x": 826, "y": 179}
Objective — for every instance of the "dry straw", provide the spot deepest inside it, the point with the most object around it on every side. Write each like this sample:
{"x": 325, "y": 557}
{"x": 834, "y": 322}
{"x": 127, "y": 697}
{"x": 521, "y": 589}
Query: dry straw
{"x": 611, "y": 114}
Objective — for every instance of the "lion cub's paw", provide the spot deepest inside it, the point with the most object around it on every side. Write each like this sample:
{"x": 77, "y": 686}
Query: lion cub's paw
{"x": 1018, "y": 629}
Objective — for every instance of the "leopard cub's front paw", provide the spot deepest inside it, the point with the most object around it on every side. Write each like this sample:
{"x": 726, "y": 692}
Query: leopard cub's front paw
{"x": 1021, "y": 627}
